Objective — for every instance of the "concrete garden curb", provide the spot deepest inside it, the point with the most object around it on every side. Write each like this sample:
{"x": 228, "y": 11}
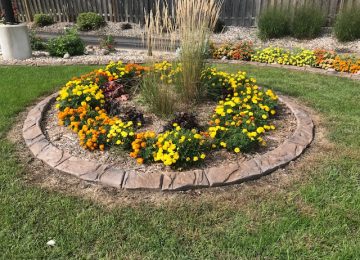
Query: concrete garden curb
{"x": 106, "y": 174}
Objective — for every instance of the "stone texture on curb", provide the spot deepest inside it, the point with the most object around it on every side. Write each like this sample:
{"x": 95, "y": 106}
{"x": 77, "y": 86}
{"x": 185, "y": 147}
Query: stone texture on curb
{"x": 184, "y": 180}
{"x": 108, "y": 175}
{"x": 134, "y": 180}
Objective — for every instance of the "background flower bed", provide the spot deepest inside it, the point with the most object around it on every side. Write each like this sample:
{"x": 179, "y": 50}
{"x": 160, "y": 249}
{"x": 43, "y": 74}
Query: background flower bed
{"x": 238, "y": 124}
{"x": 318, "y": 58}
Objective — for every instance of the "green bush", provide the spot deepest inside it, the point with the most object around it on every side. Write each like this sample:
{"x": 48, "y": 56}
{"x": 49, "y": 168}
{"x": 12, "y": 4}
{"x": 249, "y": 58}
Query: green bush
{"x": 273, "y": 24}
{"x": 307, "y": 22}
{"x": 347, "y": 25}
{"x": 89, "y": 21}
{"x": 42, "y": 20}
{"x": 37, "y": 44}
{"x": 70, "y": 43}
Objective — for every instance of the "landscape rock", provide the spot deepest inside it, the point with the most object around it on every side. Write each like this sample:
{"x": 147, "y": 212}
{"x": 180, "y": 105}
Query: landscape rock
{"x": 104, "y": 52}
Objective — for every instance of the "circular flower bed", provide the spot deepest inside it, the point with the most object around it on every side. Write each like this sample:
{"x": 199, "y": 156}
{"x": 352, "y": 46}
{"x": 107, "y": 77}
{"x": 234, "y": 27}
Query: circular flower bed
{"x": 88, "y": 105}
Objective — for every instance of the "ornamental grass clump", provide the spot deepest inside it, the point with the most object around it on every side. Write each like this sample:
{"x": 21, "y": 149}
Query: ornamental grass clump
{"x": 159, "y": 28}
{"x": 347, "y": 25}
{"x": 158, "y": 96}
{"x": 196, "y": 20}
{"x": 273, "y": 23}
{"x": 307, "y": 22}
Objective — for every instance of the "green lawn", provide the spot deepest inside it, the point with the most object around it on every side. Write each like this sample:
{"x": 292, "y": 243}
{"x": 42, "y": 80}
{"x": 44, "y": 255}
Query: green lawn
{"x": 317, "y": 216}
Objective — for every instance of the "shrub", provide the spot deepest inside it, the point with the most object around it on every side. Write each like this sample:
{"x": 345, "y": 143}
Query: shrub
{"x": 37, "y": 44}
{"x": 347, "y": 25}
{"x": 307, "y": 22}
{"x": 70, "y": 43}
{"x": 90, "y": 21}
{"x": 273, "y": 24}
{"x": 42, "y": 20}
{"x": 126, "y": 26}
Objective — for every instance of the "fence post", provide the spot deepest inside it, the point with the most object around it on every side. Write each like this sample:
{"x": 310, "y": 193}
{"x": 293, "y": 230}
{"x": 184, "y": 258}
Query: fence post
{"x": 9, "y": 12}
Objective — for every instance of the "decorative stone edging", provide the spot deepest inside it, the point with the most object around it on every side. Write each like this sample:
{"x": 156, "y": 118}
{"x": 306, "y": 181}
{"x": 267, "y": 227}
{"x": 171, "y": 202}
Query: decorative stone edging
{"x": 290, "y": 67}
{"x": 106, "y": 174}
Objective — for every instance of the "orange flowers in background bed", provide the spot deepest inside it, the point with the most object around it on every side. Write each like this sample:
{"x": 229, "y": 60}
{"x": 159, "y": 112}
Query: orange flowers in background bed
{"x": 347, "y": 64}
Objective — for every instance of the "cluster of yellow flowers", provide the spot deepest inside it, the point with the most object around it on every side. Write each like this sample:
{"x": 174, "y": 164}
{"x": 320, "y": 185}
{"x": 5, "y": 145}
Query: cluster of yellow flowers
{"x": 178, "y": 147}
{"x": 167, "y": 72}
{"x": 121, "y": 133}
{"x": 241, "y": 118}
{"x": 301, "y": 57}
{"x": 81, "y": 104}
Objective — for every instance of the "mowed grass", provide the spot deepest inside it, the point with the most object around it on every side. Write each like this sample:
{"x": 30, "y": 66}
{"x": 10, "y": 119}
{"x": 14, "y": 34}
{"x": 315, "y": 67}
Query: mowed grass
{"x": 316, "y": 217}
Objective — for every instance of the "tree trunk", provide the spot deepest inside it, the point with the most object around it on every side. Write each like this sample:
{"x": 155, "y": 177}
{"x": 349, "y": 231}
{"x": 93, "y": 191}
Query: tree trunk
{"x": 9, "y": 12}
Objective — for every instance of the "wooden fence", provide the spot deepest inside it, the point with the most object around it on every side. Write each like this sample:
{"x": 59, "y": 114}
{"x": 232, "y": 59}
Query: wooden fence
{"x": 234, "y": 12}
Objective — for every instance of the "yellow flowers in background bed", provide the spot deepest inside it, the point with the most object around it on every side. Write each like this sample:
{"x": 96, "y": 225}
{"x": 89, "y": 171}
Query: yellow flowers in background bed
{"x": 300, "y": 57}
{"x": 318, "y": 58}
{"x": 238, "y": 123}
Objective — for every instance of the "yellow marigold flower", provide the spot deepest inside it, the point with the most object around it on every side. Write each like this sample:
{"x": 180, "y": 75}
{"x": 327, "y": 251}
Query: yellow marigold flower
{"x": 197, "y": 136}
{"x": 237, "y": 150}
{"x": 202, "y": 156}
{"x": 195, "y": 158}
{"x": 140, "y": 160}
{"x": 223, "y": 144}
{"x": 260, "y": 130}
